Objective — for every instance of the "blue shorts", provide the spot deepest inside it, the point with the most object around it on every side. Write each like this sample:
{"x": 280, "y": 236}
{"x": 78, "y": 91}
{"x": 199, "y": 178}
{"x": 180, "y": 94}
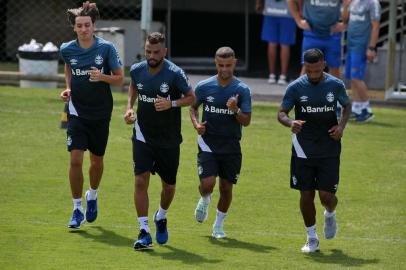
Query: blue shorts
{"x": 330, "y": 46}
{"x": 280, "y": 30}
{"x": 355, "y": 65}
{"x": 83, "y": 134}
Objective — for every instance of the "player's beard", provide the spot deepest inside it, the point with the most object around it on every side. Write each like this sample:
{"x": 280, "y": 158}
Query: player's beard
{"x": 225, "y": 75}
{"x": 154, "y": 64}
{"x": 315, "y": 80}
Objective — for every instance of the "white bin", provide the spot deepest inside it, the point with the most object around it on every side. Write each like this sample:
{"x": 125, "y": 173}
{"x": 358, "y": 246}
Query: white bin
{"x": 38, "y": 63}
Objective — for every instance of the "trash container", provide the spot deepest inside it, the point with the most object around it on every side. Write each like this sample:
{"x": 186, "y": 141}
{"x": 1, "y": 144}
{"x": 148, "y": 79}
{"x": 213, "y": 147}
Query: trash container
{"x": 38, "y": 63}
{"x": 116, "y": 36}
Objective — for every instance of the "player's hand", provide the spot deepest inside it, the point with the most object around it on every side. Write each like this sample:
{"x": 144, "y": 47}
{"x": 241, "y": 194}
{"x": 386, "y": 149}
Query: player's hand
{"x": 201, "y": 127}
{"x": 336, "y": 132}
{"x": 65, "y": 95}
{"x": 303, "y": 24}
{"x": 95, "y": 75}
{"x": 232, "y": 103}
{"x": 129, "y": 117}
{"x": 371, "y": 55}
{"x": 338, "y": 27}
{"x": 296, "y": 126}
{"x": 162, "y": 104}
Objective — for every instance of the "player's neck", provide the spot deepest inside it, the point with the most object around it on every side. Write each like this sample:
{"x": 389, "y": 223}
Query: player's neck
{"x": 87, "y": 43}
{"x": 155, "y": 70}
{"x": 224, "y": 82}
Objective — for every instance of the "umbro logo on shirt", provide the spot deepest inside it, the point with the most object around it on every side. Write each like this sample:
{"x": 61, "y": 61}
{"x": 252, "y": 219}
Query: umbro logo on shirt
{"x": 73, "y": 61}
{"x": 304, "y": 98}
{"x": 210, "y": 99}
{"x": 140, "y": 86}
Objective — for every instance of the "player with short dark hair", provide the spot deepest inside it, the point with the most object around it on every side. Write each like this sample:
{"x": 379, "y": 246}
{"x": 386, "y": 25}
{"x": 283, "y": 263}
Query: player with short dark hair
{"x": 91, "y": 65}
{"x": 161, "y": 88}
{"x": 226, "y": 102}
{"x": 316, "y": 141}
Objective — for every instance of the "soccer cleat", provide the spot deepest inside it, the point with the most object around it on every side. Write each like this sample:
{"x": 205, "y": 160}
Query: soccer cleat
{"x": 201, "y": 211}
{"x": 272, "y": 79}
{"x": 91, "y": 209}
{"x": 76, "y": 220}
{"x": 312, "y": 245}
{"x": 282, "y": 80}
{"x": 364, "y": 116}
{"x": 161, "y": 233}
{"x": 218, "y": 232}
{"x": 143, "y": 241}
{"x": 330, "y": 227}
{"x": 354, "y": 115}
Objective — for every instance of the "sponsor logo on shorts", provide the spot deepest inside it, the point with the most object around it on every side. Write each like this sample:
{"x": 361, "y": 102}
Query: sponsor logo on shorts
{"x": 69, "y": 141}
{"x": 294, "y": 180}
{"x": 200, "y": 170}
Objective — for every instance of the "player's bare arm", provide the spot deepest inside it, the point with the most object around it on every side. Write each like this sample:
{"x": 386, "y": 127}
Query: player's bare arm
{"x": 294, "y": 9}
{"x": 242, "y": 118}
{"x": 284, "y": 119}
{"x": 115, "y": 78}
{"x": 65, "y": 94}
{"x": 162, "y": 104}
{"x": 129, "y": 116}
{"x": 337, "y": 131}
{"x": 194, "y": 117}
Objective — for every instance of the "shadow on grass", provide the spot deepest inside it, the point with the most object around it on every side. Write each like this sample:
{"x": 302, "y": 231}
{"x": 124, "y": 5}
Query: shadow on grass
{"x": 338, "y": 257}
{"x": 177, "y": 254}
{"x": 104, "y": 236}
{"x": 234, "y": 243}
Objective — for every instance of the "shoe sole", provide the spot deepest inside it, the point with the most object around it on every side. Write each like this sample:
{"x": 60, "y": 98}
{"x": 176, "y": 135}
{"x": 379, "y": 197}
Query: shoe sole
{"x": 77, "y": 227}
{"x": 313, "y": 251}
{"x": 142, "y": 247}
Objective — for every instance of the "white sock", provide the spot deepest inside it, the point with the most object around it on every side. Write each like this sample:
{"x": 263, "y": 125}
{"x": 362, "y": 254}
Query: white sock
{"x": 143, "y": 221}
{"x": 77, "y": 204}
{"x": 220, "y": 216}
{"x": 365, "y": 105}
{"x": 356, "y": 107}
{"x": 92, "y": 194}
{"x": 329, "y": 214}
{"x": 311, "y": 232}
{"x": 161, "y": 213}
{"x": 206, "y": 198}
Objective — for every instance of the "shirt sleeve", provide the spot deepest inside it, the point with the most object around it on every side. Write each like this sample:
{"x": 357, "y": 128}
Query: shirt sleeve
{"x": 245, "y": 99}
{"x": 199, "y": 95}
{"x": 288, "y": 101}
{"x": 375, "y": 10}
{"x": 343, "y": 98}
{"x": 114, "y": 58}
{"x": 182, "y": 81}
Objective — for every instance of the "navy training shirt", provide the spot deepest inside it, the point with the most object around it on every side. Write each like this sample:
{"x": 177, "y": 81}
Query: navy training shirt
{"x": 316, "y": 104}
{"x": 90, "y": 100}
{"x": 161, "y": 129}
{"x": 223, "y": 131}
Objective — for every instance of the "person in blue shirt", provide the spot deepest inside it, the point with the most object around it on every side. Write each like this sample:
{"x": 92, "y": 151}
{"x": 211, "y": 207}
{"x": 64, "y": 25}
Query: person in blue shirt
{"x": 322, "y": 28}
{"x": 161, "y": 88}
{"x": 278, "y": 28}
{"x": 363, "y": 18}
{"x": 226, "y": 103}
{"x": 91, "y": 66}
{"x": 316, "y": 145}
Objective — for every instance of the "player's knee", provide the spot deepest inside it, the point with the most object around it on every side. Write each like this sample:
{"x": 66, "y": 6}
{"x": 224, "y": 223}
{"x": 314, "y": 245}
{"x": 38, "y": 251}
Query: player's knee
{"x": 326, "y": 198}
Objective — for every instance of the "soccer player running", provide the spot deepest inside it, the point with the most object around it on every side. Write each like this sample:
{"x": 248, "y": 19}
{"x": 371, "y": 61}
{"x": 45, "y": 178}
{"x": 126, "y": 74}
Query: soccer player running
{"x": 161, "y": 88}
{"x": 316, "y": 137}
{"x": 91, "y": 65}
{"x": 226, "y": 105}
{"x": 362, "y": 35}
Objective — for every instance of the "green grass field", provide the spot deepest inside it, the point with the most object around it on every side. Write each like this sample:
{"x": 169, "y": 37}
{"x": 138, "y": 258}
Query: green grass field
{"x": 264, "y": 224}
